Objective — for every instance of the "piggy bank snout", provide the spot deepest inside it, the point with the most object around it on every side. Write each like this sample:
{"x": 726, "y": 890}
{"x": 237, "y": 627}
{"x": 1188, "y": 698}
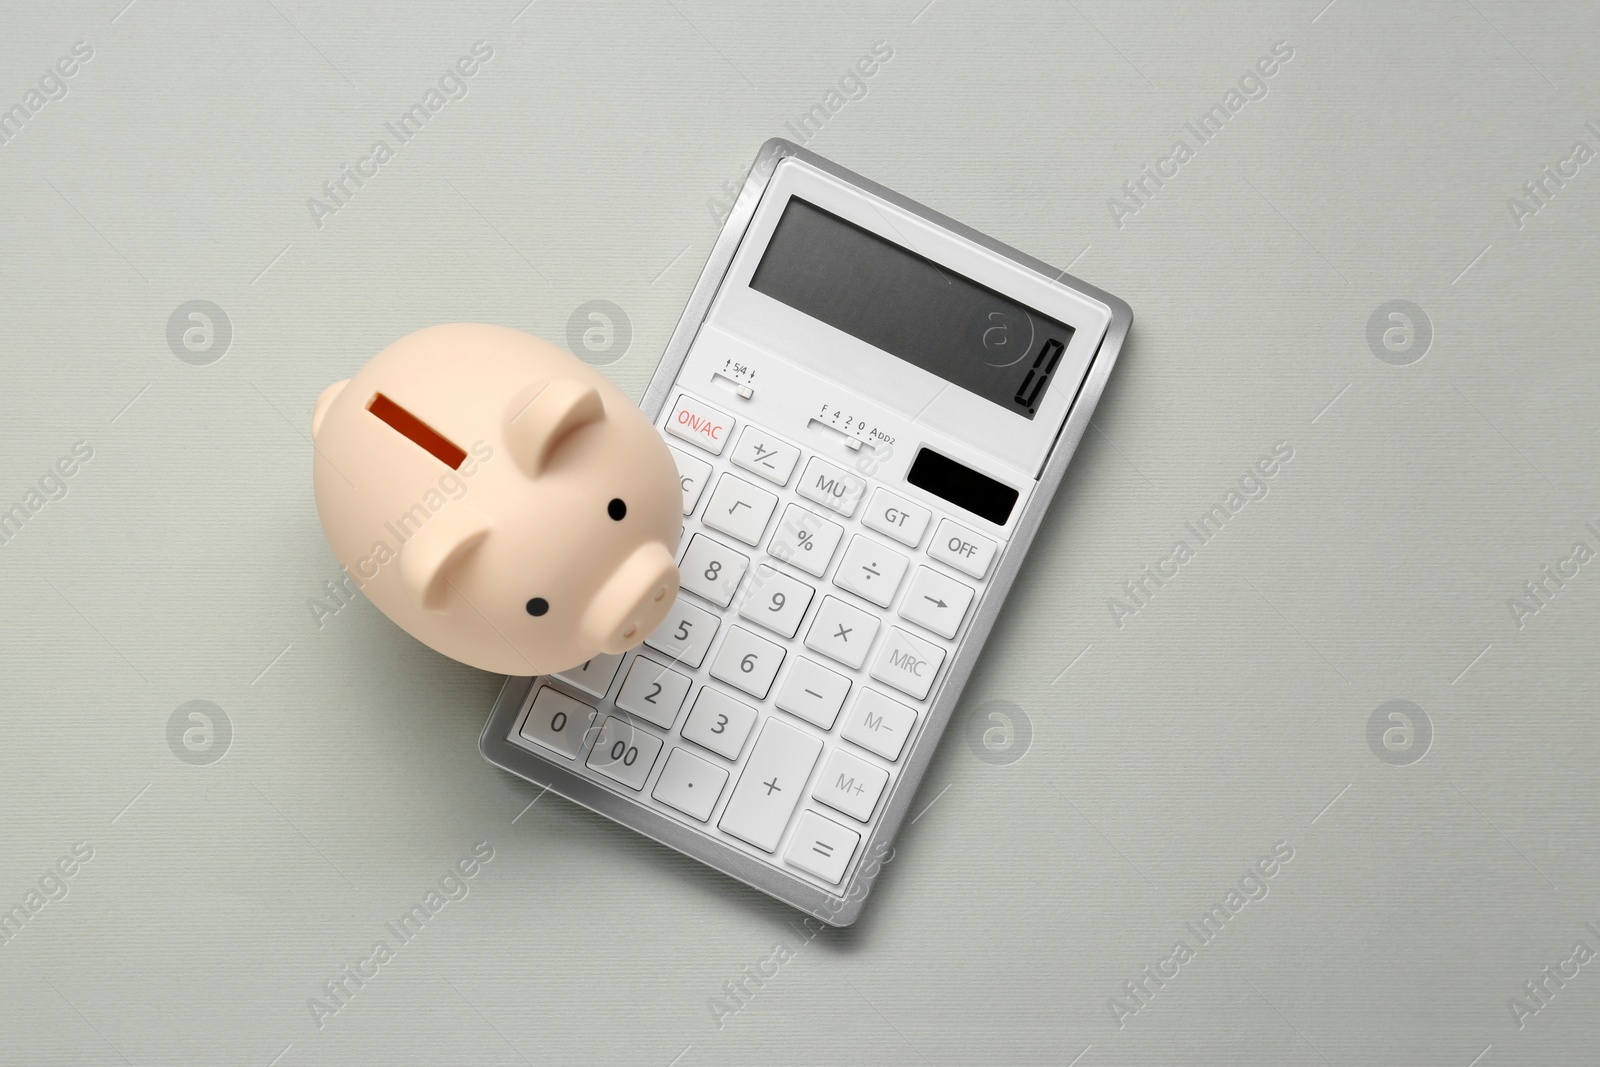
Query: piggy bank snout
{"x": 632, "y": 601}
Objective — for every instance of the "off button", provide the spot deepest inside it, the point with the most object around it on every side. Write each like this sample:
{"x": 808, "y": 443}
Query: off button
{"x": 964, "y": 550}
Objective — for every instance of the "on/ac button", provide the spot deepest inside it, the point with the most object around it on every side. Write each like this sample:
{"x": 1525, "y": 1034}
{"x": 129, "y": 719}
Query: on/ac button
{"x": 700, "y": 424}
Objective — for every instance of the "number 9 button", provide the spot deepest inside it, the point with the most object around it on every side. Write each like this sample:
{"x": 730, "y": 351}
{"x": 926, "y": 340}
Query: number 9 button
{"x": 775, "y": 600}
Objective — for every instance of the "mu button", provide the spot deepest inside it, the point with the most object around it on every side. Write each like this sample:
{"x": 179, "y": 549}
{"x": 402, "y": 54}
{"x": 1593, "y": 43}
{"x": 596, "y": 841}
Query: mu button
{"x": 907, "y": 663}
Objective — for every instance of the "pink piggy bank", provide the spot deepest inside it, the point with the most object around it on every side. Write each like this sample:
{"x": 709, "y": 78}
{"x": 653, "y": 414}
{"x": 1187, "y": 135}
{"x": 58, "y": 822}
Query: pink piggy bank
{"x": 498, "y": 499}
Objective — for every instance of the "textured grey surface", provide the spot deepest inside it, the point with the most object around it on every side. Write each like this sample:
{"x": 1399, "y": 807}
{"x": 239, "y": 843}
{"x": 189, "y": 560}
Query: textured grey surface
{"x": 1167, "y": 754}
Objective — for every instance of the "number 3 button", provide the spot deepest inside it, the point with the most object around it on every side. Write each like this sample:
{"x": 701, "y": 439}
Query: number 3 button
{"x": 775, "y": 600}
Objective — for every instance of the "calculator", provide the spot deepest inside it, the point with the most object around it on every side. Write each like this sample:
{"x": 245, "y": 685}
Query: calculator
{"x": 870, "y": 406}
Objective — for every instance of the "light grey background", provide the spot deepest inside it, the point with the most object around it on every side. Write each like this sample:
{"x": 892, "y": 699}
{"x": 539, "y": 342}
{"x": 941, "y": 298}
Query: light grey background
{"x": 1167, "y": 754}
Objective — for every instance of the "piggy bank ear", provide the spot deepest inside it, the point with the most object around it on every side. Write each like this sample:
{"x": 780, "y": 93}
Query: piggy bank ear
{"x": 540, "y": 416}
{"x": 438, "y": 549}
{"x": 324, "y": 402}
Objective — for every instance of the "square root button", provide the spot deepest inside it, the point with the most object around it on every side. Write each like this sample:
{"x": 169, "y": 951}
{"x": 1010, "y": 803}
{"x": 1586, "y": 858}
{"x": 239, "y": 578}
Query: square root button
{"x": 821, "y": 847}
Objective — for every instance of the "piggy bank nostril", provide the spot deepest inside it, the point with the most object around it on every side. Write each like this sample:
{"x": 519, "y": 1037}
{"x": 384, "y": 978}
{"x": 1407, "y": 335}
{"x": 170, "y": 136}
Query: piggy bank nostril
{"x": 627, "y": 634}
{"x": 660, "y": 594}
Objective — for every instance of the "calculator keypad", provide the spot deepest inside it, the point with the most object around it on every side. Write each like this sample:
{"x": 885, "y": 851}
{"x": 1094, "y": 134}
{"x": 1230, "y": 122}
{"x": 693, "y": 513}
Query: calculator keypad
{"x": 775, "y": 705}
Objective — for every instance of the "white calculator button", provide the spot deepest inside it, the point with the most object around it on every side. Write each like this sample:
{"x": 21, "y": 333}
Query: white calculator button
{"x": 653, "y": 692}
{"x": 712, "y": 569}
{"x": 719, "y": 723}
{"x": 896, "y": 516}
{"x": 685, "y": 634}
{"x": 805, "y": 540}
{"x": 842, "y": 632}
{"x": 699, "y": 424}
{"x": 850, "y": 784}
{"x": 832, "y": 487}
{"x": 747, "y": 662}
{"x": 907, "y": 663}
{"x": 624, "y": 753}
{"x": 961, "y": 548}
{"x": 557, "y": 722}
{"x": 822, "y": 847}
{"x": 594, "y": 675}
{"x": 871, "y": 570}
{"x": 878, "y": 724}
{"x": 773, "y": 781}
{"x": 813, "y": 692}
{"x": 692, "y": 476}
{"x": 690, "y": 784}
{"x": 936, "y": 602}
{"x": 761, "y": 453}
{"x": 739, "y": 509}
{"x": 775, "y": 600}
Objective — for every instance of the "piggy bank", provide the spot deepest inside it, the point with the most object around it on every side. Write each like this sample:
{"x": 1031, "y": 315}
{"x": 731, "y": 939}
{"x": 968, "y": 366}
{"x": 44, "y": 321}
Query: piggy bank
{"x": 498, "y": 499}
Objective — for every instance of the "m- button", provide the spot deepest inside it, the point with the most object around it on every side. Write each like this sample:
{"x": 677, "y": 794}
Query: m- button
{"x": 961, "y": 548}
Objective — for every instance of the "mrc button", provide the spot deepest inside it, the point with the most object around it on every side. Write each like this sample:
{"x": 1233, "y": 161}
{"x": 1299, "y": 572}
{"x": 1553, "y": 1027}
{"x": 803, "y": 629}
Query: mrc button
{"x": 699, "y": 424}
{"x": 962, "y": 549}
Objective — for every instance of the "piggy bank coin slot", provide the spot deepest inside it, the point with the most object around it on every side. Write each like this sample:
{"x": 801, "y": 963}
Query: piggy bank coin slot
{"x": 417, "y": 431}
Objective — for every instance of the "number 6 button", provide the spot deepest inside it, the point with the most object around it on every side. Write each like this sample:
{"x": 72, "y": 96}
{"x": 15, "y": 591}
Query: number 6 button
{"x": 747, "y": 662}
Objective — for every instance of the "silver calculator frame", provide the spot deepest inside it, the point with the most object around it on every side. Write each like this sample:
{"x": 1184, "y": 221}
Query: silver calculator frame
{"x": 840, "y": 908}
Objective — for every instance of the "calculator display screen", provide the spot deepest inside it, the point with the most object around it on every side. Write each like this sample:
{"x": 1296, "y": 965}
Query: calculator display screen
{"x": 909, "y": 306}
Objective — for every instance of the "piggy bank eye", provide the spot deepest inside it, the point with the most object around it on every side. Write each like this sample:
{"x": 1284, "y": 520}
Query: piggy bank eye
{"x": 617, "y": 509}
{"x": 538, "y": 606}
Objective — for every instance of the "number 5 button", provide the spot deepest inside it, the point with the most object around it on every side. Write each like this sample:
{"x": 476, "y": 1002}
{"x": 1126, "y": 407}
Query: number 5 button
{"x": 685, "y": 634}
